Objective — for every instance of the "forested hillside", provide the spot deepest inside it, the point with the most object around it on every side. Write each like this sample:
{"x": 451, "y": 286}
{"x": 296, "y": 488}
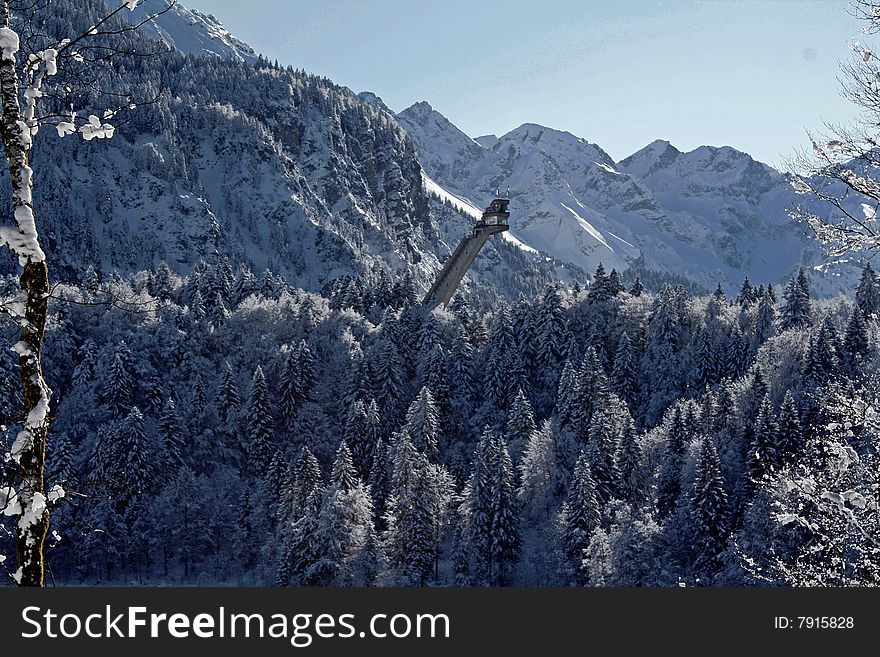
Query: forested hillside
{"x": 225, "y": 427}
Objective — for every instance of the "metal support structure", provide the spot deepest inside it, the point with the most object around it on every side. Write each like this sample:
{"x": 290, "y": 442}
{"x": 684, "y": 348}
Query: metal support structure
{"x": 493, "y": 221}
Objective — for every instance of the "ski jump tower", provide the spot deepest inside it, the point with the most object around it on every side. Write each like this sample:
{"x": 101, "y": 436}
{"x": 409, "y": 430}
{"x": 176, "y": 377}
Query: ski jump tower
{"x": 494, "y": 220}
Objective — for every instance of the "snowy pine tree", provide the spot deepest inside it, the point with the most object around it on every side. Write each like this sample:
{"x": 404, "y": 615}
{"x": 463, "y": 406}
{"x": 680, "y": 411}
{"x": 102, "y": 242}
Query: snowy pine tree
{"x": 423, "y": 423}
{"x": 539, "y": 478}
{"x": 257, "y": 426}
{"x": 708, "y": 512}
{"x": 796, "y": 309}
{"x": 520, "y": 425}
{"x": 669, "y": 483}
{"x": 578, "y": 518}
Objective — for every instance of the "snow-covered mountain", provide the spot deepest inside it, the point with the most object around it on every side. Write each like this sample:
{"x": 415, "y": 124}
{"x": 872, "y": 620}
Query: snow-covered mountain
{"x": 189, "y": 31}
{"x": 242, "y": 160}
{"x": 711, "y": 215}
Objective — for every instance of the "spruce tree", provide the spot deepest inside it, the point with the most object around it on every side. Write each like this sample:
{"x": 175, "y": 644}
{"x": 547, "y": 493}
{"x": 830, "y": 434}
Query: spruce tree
{"x": 118, "y": 388}
{"x": 477, "y": 511}
{"x": 633, "y": 475}
{"x": 765, "y": 320}
{"x": 706, "y": 360}
{"x": 355, "y": 435}
{"x": 306, "y": 480}
{"x": 762, "y": 459}
{"x": 388, "y": 382}
{"x": 579, "y": 517}
{"x": 258, "y": 434}
{"x": 437, "y": 380}
{"x": 600, "y": 289}
{"x": 568, "y": 413}
{"x": 228, "y": 399}
{"x": 520, "y": 425}
{"x": 790, "y": 439}
{"x": 868, "y": 293}
{"x": 708, "y": 512}
{"x": 625, "y": 376}
{"x": 855, "y": 341}
{"x": 552, "y": 339}
{"x": 796, "y": 309}
{"x": 172, "y": 440}
{"x": 746, "y": 293}
{"x": 379, "y": 479}
{"x": 539, "y": 477}
{"x": 423, "y": 423}
{"x": 506, "y": 542}
{"x": 343, "y": 476}
{"x": 409, "y": 537}
{"x": 601, "y": 453}
{"x": 669, "y": 484}
{"x": 138, "y": 463}
{"x": 637, "y": 287}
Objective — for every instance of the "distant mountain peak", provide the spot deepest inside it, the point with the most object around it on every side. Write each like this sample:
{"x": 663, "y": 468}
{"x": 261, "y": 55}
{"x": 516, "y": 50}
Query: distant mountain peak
{"x": 375, "y": 102}
{"x": 190, "y": 31}
{"x": 421, "y": 109}
{"x": 656, "y": 155}
{"x": 487, "y": 141}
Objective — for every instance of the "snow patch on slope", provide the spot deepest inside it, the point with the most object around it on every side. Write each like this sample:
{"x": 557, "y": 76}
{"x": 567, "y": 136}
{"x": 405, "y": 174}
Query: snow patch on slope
{"x": 587, "y": 226}
{"x": 466, "y": 207}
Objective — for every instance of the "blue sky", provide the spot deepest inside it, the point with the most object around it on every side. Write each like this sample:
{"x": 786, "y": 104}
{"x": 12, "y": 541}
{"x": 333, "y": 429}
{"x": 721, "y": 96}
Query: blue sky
{"x": 753, "y": 75}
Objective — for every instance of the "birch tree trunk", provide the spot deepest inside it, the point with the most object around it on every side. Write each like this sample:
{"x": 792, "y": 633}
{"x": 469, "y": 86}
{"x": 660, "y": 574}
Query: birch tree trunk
{"x": 29, "y": 448}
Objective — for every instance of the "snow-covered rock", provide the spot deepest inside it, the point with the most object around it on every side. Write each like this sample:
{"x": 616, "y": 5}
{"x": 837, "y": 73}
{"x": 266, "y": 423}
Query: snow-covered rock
{"x": 189, "y": 31}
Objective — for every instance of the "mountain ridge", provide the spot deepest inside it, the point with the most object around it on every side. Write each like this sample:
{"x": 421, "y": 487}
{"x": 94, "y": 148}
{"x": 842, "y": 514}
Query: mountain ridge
{"x": 713, "y": 214}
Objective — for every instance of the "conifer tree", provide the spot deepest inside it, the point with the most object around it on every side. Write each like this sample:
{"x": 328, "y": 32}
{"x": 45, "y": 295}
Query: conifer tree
{"x": 746, "y": 293}
{"x": 855, "y": 341}
{"x": 306, "y": 480}
{"x": 539, "y": 478}
{"x": 868, "y": 293}
{"x": 624, "y": 377}
{"x": 790, "y": 438}
{"x": 633, "y": 475}
{"x": 118, "y": 389}
{"x": 796, "y": 309}
{"x": 355, "y": 435}
{"x": 506, "y": 542}
{"x": 601, "y": 454}
{"x": 258, "y": 435}
{"x": 578, "y": 518}
{"x": 423, "y": 423}
{"x": 552, "y": 339}
{"x": 138, "y": 463}
{"x": 568, "y": 411}
{"x": 637, "y": 287}
{"x": 172, "y": 440}
{"x": 477, "y": 511}
{"x": 520, "y": 425}
{"x": 601, "y": 288}
{"x": 708, "y": 511}
{"x": 409, "y": 537}
{"x": 762, "y": 459}
{"x": 228, "y": 399}
{"x": 669, "y": 484}
{"x": 765, "y": 320}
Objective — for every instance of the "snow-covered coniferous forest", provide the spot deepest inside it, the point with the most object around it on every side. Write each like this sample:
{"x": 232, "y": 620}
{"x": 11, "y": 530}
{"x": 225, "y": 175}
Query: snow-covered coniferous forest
{"x": 242, "y": 385}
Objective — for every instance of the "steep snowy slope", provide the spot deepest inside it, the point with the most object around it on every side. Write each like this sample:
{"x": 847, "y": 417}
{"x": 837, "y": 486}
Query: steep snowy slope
{"x": 189, "y": 31}
{"x": 712, "y": 215}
